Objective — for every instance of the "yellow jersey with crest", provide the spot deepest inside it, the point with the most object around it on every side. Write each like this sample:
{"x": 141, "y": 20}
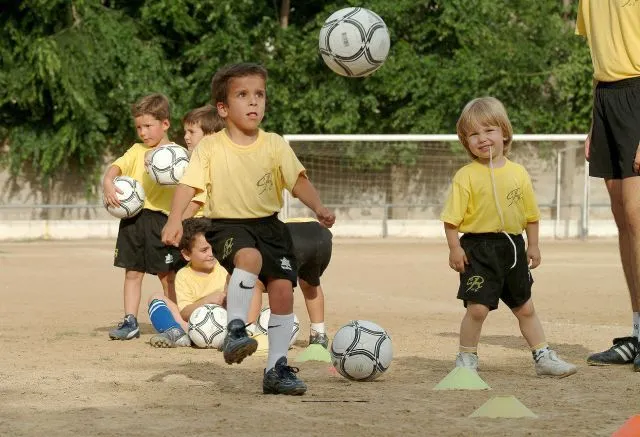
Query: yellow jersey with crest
{"x": 242, "y": 181}
{"x": 192, "y": 286}
{"x": 157, "y": 197}
{"x": 471, "y": 207}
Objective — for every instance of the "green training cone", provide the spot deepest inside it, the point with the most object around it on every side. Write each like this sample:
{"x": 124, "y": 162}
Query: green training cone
{"x": 503, "y": 406}
{"x": 461, "y": 378}
{"x": 314, "y": 352}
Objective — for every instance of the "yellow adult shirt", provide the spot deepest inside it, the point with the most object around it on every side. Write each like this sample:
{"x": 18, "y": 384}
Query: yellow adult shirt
{"x": 471, "y": 206}
{"x": 612, "y": 28}
{"x": 191, "y": 286}
{"x": 242, "y": 181}
{"x": 157, "y": 197}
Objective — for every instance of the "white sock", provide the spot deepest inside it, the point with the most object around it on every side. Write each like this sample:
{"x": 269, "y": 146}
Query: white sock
{"x": 318, "y": 327}
{"x": 252, "y": 328}
{"x": 636, "y": 325}
{"x": 280, "y": 328}
{"x": 239, "y": 294}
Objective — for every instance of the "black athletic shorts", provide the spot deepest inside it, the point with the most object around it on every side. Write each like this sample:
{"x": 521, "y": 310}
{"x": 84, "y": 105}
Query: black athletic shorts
{"x": 489, "y": 277}
{"x": 139, "y": 246}
{"x": 312, "y": 246}
{"x": 267, "y": 234}
{"x": 616, "y": 129}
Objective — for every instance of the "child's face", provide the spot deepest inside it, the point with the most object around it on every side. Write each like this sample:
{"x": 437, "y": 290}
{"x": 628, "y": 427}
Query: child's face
{"x": 200, "y": 255}
{"x": 246, "y": 100}
{"x": 192, "y": 135}
{"x": 486, "y": 141}
{"x": 151, "y": 130}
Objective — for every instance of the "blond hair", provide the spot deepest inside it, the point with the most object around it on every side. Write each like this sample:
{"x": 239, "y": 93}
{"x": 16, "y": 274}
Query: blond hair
{"x": 484, "y": 111}
{"x": 155, "y": 105}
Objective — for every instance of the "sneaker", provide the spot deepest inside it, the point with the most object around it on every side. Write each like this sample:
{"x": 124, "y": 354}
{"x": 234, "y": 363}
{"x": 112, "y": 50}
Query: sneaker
{"x": 237, "y": 344}
{"x": 467, "y": 360}
{"x": 126, "y": 330}
{"x": 550, "y": 365}
{"x": 623, "y": 351}
{"x": 172, "y": 337}
{"x": 282, "y": 380}
{"x": 318, "y": 338}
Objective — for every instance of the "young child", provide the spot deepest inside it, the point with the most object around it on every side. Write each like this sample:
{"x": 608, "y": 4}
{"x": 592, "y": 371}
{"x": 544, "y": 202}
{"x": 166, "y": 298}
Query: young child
{"x": 243, "y": 170}
{"x": 139, "y": 249}
{"x": 491, "y": 202}
{"x": 200, "y": 122}
{"x": 202, "y": 281}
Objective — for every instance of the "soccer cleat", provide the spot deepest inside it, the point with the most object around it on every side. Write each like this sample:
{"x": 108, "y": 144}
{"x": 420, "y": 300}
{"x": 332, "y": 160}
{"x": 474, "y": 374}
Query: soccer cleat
{"x": 623, "y": 351}
{"x": 282, "y": 380}
{"x": 319, "y": 338}
{"x": 172, "y": 337}
{"x": 548, "y": 364}
{"x": 467, "y": 360}
{"x": 126, "y": 330}
{"x": 237, "y": 344}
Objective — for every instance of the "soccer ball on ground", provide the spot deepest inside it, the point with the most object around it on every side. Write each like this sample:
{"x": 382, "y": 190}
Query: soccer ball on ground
{"x": 208, "y": 326}
{"x": 361, "y": 350}
{"x": 263, "y": 325}
{"x": 166, "y": 164}
{"x": 131, "y": 199}
{"x": 354, "y": 42}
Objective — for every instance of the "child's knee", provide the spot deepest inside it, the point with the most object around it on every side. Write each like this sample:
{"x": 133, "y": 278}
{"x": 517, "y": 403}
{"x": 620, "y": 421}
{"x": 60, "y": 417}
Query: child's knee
{"x": 133, "y": 275}
{"x": 525, "y": 310}
{"x": 155, "y": 296}
{"x": 248, "y": 259}
{"x": 477, "y": 312}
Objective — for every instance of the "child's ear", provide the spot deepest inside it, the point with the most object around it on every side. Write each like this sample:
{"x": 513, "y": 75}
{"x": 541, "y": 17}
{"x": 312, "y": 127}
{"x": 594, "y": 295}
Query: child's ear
{"x": 222, "y": 110}
{"x": 186, "y": 255}
{"x": 166, "y": 124}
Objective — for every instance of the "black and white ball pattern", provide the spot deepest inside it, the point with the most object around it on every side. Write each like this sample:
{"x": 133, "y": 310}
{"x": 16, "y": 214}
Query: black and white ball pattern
{"x": 131, "y": 199}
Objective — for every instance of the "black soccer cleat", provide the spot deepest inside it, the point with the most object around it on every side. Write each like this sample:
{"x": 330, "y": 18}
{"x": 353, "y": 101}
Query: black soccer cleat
{"x": 282, "y": 380}
{"x": 623, "y": 351}
{"x": 237, "y": 344}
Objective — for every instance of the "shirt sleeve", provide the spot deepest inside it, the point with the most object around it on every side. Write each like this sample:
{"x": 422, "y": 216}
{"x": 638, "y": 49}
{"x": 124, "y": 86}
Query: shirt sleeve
{"x": 531, "y": 210}
{"x": 126, "y": 162}
{"x": 197, "y": 173}
{"x": 581, "y": 28}
{"x": 290, "y": 165}
{"x": 456, "y": 204}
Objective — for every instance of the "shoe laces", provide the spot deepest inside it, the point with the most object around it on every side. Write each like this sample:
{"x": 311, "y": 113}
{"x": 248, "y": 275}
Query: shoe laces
{"x": 287, "y": 371}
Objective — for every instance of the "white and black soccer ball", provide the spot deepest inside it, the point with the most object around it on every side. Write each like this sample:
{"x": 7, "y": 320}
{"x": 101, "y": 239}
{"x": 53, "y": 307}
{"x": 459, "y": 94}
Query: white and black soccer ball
{"x": 208, "y": 326}
{"x": 354, "y": 42}
{"x": 131, "y": 199}
{"x": 361, "y": 350}
{"x": 166, "y": 164}
{"x": 263, "y": 325}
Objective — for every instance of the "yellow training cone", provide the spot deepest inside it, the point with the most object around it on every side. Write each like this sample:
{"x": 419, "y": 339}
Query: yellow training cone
{"x": 314, "y": 352}
{"x": 461, "y": 378}
{"x": 503, "y": 406}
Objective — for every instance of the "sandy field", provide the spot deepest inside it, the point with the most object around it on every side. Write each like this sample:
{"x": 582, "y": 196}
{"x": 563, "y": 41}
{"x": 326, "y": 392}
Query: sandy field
{"x": 60, "y": 375}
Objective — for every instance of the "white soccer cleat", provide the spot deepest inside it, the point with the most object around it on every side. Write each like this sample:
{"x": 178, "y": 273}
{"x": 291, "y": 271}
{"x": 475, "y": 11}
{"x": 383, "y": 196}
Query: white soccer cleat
{"x": 467, "y": 360}
{"x": 550, "y": 365}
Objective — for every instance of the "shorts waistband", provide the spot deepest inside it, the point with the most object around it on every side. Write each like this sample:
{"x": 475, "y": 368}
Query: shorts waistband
{"x": 631, "y": 82}
{"x": 491, "y": 236}
{"x": 268, "y": 218}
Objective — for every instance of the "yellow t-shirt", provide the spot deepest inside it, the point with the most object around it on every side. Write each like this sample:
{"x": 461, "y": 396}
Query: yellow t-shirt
{"x": 157, "y": 197}
{"x": 471, "y": 206}
{"x": 612, "y": 28}
{"x": 242, "y": 181}
{"x": 192, "y": 286}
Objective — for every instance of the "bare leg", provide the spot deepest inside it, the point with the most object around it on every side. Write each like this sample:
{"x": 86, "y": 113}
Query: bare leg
{"x": 132, "y": 291}
{"x": 631, "y": 205}
{"x": 530, "y": 325}
{"x": 314, "y": 300}
{"x": 471, "y": 325}
{"x": 168, "y": 281}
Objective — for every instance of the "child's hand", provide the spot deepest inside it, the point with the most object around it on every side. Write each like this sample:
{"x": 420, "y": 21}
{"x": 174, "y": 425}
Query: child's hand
{"x": 111, "y": 194}
{"x": 325, "y": 217}
{"x": 458, "y": 259}
{"x": 217, "y": 298}
{"x": 533, "y": 255}
{"x": 172, "y": 233}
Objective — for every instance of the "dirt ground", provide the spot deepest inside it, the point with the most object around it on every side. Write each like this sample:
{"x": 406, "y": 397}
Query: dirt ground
{"x": 61, "y": 376}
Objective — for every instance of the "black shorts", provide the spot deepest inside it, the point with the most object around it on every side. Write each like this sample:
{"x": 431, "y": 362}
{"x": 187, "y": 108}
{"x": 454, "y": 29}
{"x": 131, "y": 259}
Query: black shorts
{"x": 489, "y": 277}
{"x": 267, "y": 234}
{"x": 312, "y": 245}
{"x": 616, "y": 129}
{"x": 139, "y": 246}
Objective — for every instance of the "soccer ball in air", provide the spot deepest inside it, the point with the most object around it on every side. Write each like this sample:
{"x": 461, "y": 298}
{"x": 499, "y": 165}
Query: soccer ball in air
{"x": 208, "y": 326}
{"x": 354, "y": 42}
{"x": 166, "y": 164}
{"x": 361, "y": 351}
{"x": 131, "y": 199}
{"x": 263, "y": 324}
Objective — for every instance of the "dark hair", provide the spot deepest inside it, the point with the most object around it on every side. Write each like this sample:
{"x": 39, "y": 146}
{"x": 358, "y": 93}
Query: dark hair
{"x": 206, "y": 117}
{"x": 156, "y": 105}
{"x": 220, "y": 81}
{"x": 191, "y": 227}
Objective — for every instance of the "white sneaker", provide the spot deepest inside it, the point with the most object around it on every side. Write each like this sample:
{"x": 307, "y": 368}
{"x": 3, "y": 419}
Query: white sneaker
{"x": 467, "y": 360}
{"x": 550, "y": 365}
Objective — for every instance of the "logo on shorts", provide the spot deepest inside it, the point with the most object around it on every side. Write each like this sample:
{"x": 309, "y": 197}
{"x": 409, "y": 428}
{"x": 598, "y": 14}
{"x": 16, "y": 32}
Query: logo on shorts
{"x": 115, "y": 253}
{"x": 168, "y": 259}
{"x": 228, "y": 245}
{"x": 285, "y": 264}
{"x": 474, "y": 283}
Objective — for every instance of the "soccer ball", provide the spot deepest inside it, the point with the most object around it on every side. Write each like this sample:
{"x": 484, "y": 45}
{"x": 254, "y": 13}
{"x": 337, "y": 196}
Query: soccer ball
{"x": 361, "y": 350}
{"x": 208, "y": 326}
{"x": 263, "y": 324}
{"x": 166, "y": 164}
{"x": 131, "y": 199}
{"x": 354, "y": 42}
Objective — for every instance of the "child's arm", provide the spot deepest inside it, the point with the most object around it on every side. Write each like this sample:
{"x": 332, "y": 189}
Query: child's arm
{"x": 172, "y": 230}
{"x": 109, "y": 188}
{"x": 217, "y": 297}
{"x": 533, "y": 251}
{"x": 191, "y": 210}
{"x": 306, "y": 192}
{"x": 457, "y": 257}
